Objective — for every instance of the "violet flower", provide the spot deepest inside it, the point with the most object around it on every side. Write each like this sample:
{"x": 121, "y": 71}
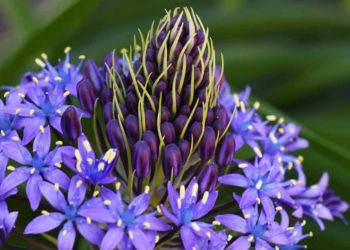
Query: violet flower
{"x": 67, "y": 211}
{"x": 186, "y": 211}
{"x": 84, "y": 163}
{"x": 254, "y": 229}
{"x": 263, "y": 182}
{"x": 129, "y": 226}
{"x": 43, "y": 164}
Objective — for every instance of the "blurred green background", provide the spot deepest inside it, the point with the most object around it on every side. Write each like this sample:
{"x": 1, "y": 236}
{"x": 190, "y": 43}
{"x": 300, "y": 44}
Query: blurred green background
{"x": 294, "y": 54}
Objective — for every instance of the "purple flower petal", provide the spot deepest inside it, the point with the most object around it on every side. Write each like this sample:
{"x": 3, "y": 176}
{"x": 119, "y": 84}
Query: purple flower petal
{"x": 97, "y": 211}
{"x": 32, "y": 128}
{"x": 248, "y": 198}
{"x": 173, "y": 196}
{"x": 139, "y": 239}
{"x": 17, "y": 152}
{"x": 233, "y": 222}
{"x": 91, "y": 232}
{"x": 112, "y": 238}
{"x": 188, "y": 238}
{"x": 44, "y": 223}
{"x": 52, "y": 195}
{"x": 205, "y": 205}
{"x": 66, "y": 237}
{"x": 241, "y": 243}
{"x": 55, "y": 122}
{"x": 268, "y": 206}
{"x": 139, "y": 204}
{"x": 54, "y": 175}
{"x": 77, "y": 190}
{"x": 33, "y": 192}
{"x": 14, "y": 179}
{"x": 3, "y": 165}
{"x": 236, "y": 180}
{"x": 42, "y": 142}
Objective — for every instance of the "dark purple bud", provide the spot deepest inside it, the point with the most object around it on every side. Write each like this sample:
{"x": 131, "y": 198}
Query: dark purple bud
{"x": 123, "y": 109}
{"x": 169, "y": 101}
{"x": 153, "y": 143}
{"x": 150, "y": 54}
{"x": 206, "y": 148}
{"x": 141, "y": 159}
{"x": 208, "y": 178}
{"x": 86, "y": 95}
{"x": 161, "y": 37}
{"x": 168, "y": 132}
{"x": 184, "y": 147}
{"x": 210, "y": 117}
{"x": 106, "y": 96}
{"x": 201, "y": 95}
{"x": 172, "y": 160}
{"x": 70, "y": 124}
{"x": 195, "y": 131}
{"x": 110, "y": 60}
{"x": 198, "y": 114}
{"x": 165, "y": 115}
{"x": 151, "y": 120}
{"x": 136, "y": 66}
{"x": 151, "y": 68}
{"x": 132, "y": 127}
{"x": 115, "y": 135}
{"x": 91, "y": 72}
{"x": 219, "y": 126}
{"x": 221, "y": 114}
{"x": 108, "y": 112}
{"x": 225, "y": 151}
{"x": 186, "y": 93}
{"x": 180, "y": 123}
{"x": 185, "y": 110}
{"x": 200, "y": 37}
{"x": 131, "y": 102}
{"x": 155, "y": 101}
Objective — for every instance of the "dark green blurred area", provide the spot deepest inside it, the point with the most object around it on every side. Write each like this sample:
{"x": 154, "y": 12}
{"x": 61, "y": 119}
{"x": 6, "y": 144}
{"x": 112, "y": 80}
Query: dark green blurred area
{"x": 294, "y": 54}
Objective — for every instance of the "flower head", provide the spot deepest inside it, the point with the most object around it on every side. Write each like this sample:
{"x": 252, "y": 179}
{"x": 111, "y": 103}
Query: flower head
{"x": 128, "y": 225}
{"x": 68, "y": 212}
{"x": 83, "y": 162}
{"x": 255, "y": 229}
{"x": 187, "y": 209}
{"x": 43, "y": 164}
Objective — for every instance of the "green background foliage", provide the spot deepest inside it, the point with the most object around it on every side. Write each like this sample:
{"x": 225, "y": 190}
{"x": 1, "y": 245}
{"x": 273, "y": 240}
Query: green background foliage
{"x": 294, "y": 54}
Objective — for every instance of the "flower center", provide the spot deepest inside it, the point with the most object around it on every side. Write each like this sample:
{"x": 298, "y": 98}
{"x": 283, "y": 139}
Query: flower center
{"x": 127, "y": 217}
{"x": 47, "y": 108}
{"x": 37, "y": 162}
{"x": 186, "y": 216}
{"x": 258, "y": 231}
{"x": 71, "y": 212}
{"x": 4, "y": 123}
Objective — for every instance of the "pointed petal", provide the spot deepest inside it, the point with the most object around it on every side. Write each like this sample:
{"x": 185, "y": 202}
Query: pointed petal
{"x": 233, "y": 222}
{"x": 112, "y": 238}
{"x": 14, "y": 179}
{"x": 236, "y": 180}
{"x": 66, "y": 237}
{"x": 139, "y": 204}
{"x": 188, "y": 237}
{"x": 44, "y": 223}
{"x": 42, "y": 142}
{"x": 32, "y": 128}
{"x": 205, "y": 205}
{"x": 248, "y": 198}
{"x": 91, "y": 232}
{"x": 241, "y": 243}
{"x": 53, "y": 196}
{"x": 33, "y": 192}
{"x": 54, "y": 175}
{"x": 139, "y": 239}
{"x": 77, "y": 190}
{"x": 17, "y": 152}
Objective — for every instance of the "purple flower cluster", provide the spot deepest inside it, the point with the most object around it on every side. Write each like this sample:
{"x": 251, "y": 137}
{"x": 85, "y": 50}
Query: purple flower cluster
{"x": 150, "y": 165}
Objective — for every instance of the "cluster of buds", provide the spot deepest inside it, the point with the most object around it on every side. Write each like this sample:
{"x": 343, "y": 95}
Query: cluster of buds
{"x": 160, "y": 104}
{"x": 154, "y": 172}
